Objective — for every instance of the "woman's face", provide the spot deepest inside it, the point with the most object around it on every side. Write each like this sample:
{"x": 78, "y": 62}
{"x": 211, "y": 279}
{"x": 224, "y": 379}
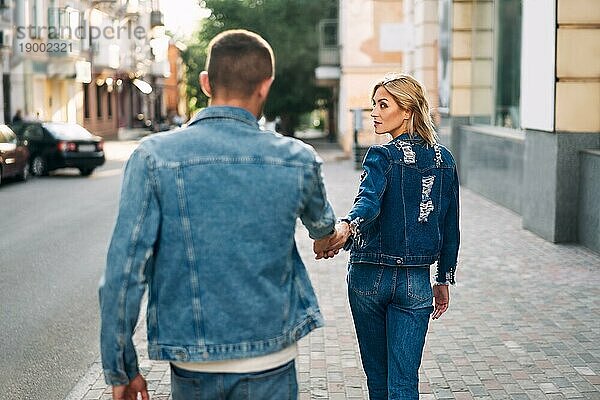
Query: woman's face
{"x": 387, "y": 115}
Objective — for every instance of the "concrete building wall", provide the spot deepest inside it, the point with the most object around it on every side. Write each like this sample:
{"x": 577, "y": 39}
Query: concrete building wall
{"x": 589, "y": 217}
{"x": 556, "y": 169}
{"x": 492, "y": 163}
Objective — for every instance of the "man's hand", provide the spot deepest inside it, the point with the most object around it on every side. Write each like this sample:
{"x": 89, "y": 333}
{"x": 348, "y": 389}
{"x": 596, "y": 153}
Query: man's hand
{"x": 131, "y": 390}
{"x": 321, "y": 247}
{"x": 442, "y": 298}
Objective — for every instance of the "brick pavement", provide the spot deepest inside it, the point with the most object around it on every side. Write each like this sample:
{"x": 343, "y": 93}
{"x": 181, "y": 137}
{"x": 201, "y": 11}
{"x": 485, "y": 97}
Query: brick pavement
{"x": 523, "y": 319}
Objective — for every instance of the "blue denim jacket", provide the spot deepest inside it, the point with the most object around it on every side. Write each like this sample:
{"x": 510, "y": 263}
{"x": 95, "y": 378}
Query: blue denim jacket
{"x": 206, "y": 223}
{"x": 407, "y": 209}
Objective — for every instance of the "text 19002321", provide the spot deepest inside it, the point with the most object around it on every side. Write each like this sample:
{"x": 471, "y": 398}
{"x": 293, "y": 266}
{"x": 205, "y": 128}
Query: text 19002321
{"x": 46, "y": 47}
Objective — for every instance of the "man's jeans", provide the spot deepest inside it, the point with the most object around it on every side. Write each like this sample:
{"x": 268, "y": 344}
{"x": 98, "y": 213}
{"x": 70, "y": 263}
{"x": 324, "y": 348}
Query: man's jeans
{"x": 275, "y": 384}
{"x": 391, "y": 308}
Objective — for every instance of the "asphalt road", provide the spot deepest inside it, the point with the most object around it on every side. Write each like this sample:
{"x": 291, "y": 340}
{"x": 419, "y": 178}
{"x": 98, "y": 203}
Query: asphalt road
{"x": 53, "y": 240}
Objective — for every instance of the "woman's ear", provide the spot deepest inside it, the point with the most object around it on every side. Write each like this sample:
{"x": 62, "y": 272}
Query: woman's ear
{"x": 205, "y": 84}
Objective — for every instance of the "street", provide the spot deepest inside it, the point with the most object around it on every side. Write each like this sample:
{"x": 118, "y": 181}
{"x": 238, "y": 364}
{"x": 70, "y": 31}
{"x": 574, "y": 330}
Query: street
{"x": 52, "y": 249}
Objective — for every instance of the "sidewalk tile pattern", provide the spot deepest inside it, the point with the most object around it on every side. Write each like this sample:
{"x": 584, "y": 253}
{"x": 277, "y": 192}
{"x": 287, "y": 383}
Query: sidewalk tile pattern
{"x": 523, "y": 323}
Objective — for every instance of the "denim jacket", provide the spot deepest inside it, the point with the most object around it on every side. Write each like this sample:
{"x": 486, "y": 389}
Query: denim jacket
{"x": 407, "y": 209}
{"x": 206, "y": 223}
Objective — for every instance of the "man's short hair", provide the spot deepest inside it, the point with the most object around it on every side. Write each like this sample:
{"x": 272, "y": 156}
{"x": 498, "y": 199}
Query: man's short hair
{"x": 238, "y": 60}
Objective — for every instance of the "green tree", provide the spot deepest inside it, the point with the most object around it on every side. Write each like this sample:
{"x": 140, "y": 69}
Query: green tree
{"x": 290, "y": 26}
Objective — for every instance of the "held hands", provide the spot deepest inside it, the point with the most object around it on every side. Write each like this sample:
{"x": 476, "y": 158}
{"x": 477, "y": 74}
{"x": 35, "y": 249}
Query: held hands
{"x": 329, "y": 246}
{"x": 131, "y": 390}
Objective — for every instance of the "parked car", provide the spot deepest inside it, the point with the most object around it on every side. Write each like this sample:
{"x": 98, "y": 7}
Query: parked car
{"x": 14, "y": 156}
{"x": 54, "y": 145}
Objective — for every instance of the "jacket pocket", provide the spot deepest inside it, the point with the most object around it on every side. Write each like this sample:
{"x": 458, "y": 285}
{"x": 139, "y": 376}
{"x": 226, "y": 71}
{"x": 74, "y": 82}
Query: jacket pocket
{"x": 365, "y": 279}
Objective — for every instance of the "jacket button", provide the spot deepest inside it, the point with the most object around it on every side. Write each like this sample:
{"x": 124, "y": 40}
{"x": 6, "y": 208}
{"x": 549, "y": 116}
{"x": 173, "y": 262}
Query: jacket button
{"x": 398, "y": 262}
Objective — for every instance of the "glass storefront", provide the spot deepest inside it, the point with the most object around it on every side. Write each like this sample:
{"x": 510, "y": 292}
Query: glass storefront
{"x": 496, "y": 63}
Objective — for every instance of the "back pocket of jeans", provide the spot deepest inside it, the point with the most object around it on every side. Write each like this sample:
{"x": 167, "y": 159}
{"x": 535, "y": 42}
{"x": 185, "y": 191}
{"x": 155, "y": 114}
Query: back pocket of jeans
{"x": 365, "y": 279}
{"x": 419, "y": 284}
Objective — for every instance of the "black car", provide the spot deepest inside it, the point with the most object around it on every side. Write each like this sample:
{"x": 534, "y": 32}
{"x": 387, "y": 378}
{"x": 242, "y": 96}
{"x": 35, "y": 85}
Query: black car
{"x": 54, "y": 145}
{"x": 13, "y": 155}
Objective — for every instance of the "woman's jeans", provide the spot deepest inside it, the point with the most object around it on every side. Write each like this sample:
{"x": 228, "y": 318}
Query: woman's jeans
{"x": 275, "y": 384}
{"x": 391, "y": 308}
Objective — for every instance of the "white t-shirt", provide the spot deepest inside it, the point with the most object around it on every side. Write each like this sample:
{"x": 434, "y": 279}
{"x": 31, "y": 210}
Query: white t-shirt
{"x": 243, "y": 365}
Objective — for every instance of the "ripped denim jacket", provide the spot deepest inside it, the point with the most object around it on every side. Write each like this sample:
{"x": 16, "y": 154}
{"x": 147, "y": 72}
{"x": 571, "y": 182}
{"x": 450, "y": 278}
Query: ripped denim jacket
{"x": 406, "y": 212}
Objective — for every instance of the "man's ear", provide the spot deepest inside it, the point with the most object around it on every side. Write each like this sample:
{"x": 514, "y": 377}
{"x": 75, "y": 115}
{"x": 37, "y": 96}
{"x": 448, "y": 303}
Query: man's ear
{"x": 205, "y": 84}
{"x": 264, "y": 87}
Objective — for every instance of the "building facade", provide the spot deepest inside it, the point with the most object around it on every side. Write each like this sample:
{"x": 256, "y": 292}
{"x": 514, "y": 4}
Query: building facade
{"x": 515, "y": 90}
{"x": 5, "y": 51}
{"x": 94, "y": 62}
{"x": 523, "y": 116}
{"x": 175, "y": 88}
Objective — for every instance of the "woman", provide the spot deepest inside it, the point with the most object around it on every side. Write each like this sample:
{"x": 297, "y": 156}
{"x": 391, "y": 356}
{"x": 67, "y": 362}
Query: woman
{"x": 404, "y": 219}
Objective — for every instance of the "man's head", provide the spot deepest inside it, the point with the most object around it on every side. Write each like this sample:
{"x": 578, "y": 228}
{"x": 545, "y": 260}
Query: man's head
{"x": 240, "y": 63}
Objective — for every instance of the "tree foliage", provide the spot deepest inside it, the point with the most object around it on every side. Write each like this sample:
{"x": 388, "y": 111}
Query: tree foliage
{"x": 291, "y": 27}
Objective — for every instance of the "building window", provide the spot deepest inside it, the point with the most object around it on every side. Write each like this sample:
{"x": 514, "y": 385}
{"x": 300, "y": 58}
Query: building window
{"x": 444, "y": 57}
{"x": 496, "y": 62}
{"x": 63, "y": 22}
{"x": 99, "y": 101}
{"x": 109, "y": 98}
{"x": 508, "y": 63}
{"x": 38, "y": 18}
{"x": 86, "y": 100}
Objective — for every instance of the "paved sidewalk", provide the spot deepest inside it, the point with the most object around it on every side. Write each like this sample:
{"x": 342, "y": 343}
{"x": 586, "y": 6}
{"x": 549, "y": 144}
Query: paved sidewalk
{"x": 523, "y": 320}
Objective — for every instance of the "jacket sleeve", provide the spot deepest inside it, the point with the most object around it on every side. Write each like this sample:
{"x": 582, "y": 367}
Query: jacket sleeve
{"x": 367, "y": 204}
{"x": 451, "y": 237}
{"x": 124, "y": 280}
{"x": 317, "y": 214}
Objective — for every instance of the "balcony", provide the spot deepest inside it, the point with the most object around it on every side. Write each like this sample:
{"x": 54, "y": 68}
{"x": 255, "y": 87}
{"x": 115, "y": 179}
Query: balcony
{"x": 328, "y": 71}
{"x": 156, "y": 19}
{"x": 5, "y": 38}
{"x": 329, "y": 49}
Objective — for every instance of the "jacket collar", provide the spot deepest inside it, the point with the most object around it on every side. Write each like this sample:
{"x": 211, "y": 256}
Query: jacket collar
{"x": 229, "y": 112}
{"x": 405, "y": 137}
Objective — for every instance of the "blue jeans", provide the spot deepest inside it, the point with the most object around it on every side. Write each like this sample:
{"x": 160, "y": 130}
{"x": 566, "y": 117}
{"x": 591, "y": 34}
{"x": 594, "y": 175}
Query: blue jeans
{"x": 391, "y": 308}
{"x": 274, "y": 384}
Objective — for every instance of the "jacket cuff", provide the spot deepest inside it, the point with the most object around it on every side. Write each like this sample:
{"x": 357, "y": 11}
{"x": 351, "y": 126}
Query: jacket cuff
{"x": 120, "y": 377}
{"x": 445, "y": 279}
{"x": 321, "y": 232}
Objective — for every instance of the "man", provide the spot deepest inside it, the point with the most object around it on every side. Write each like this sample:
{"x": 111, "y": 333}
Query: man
{"x": 17, "y": 118}
{"x": 206, "y": 221}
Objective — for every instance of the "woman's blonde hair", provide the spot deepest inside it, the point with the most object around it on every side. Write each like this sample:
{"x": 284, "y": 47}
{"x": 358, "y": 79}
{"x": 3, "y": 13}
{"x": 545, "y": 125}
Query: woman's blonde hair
{"x": 409, "y": 94}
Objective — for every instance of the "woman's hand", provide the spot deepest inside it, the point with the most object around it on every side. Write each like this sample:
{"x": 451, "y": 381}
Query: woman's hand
{"x": 329, "y": 246}
{"x": 441, "y": 293}
{"x": 342, "y": 230}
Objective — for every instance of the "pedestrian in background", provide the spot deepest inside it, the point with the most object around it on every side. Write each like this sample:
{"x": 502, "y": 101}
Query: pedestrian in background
{"x": 404, "y": 219}
{"x": 17, "y": 118}
{"x": 206, "y": 222}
